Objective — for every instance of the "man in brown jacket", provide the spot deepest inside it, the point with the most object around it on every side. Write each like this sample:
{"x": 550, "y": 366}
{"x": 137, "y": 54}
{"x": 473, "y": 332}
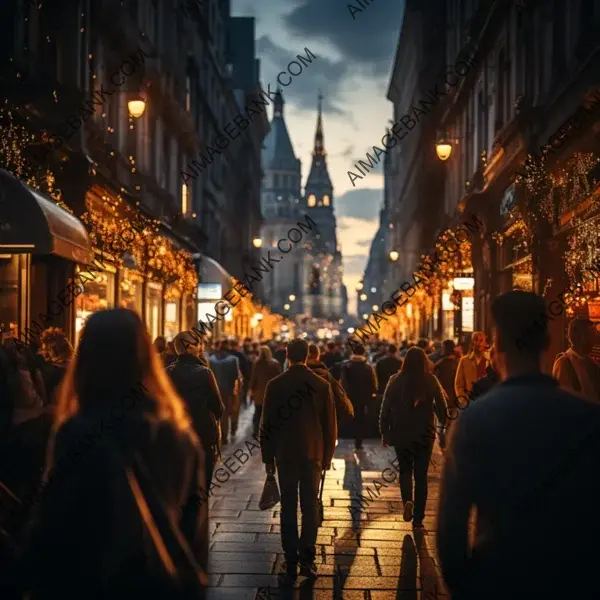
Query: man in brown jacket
{"x": 298, "y": 432}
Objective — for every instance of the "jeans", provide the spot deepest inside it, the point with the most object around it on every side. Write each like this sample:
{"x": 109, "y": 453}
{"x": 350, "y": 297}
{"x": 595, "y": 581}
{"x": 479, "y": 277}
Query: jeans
{"x": 414, "y": 461}
{"x": 307, "y": 476}
{"x": 256, "y": 418}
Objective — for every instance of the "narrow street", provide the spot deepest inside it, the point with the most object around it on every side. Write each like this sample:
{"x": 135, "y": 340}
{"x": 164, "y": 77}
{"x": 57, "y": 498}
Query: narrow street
{"x": 376, "y": 557}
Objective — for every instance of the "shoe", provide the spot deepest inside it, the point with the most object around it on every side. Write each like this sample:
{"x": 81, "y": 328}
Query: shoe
{"x": 418, "y": 523}
{"x": 287, "y": 575}
{"x": 309, "y": 570}
{"x": 408, "y": 511}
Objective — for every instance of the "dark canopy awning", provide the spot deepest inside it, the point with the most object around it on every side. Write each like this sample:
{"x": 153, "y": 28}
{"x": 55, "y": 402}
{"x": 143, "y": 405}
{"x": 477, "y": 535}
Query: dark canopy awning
{"x": 30, "y": 223}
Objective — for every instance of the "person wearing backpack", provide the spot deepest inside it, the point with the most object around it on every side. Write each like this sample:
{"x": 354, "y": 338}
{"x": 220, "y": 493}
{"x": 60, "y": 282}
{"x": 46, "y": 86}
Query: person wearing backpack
{"x": 197, "y": 386}
{"x": 575, "y": 371}
{"x": 359, "y": 381}
{"x": 412, "y": 400}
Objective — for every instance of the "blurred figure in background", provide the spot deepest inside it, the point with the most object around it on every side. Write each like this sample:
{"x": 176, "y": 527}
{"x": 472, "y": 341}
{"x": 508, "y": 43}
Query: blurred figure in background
{"x": 360, "y": 383}
{"x": 445, "y": 371}
{"x": 196, "y": 385}
{"x": 245, "y": 367}
{"x": 57, "y": 352}
{"x": 93, "y": 513}
{"x": 280, "y": 353}
{"x": 264, "y": 369}
{"x": 471, "y": 367}
{"x": 332, "y": 355}
{"x": 574, "y": 369}
{"x": 387, "y": 366}
{"x": 491, "y": 378}
{"x": 226, "y": 368}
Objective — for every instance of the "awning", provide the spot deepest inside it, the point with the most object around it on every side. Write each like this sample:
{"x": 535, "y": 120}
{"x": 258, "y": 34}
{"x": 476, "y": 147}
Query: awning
{"x": 30, "y": 223}
{"x": 212, "y": 272}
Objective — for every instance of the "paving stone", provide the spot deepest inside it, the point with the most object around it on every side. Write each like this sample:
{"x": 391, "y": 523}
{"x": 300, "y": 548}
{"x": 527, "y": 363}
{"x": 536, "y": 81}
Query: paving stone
{"x": 234, "y": 537}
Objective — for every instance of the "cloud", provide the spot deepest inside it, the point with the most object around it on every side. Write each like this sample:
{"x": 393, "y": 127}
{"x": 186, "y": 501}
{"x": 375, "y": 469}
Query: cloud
{"x": 321, "y": 74}
{"x": 360, "y": 204}
{"x": 367, "y": 40}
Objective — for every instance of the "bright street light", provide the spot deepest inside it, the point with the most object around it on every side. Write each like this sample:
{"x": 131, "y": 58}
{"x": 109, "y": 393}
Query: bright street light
{"x": 363, "y": 297}
{"x": 373, "y": 290}
{"x": 257, "y": 242}
{"x": 394, "y": 255}
{"x": 350, "y": 329}
{"x": 292, "y": 297}
{"x": 136, "y": 107}
{"x": 359, "y": 286}
{"x": 375, "y": 307}
{"x": 286, "y": 306}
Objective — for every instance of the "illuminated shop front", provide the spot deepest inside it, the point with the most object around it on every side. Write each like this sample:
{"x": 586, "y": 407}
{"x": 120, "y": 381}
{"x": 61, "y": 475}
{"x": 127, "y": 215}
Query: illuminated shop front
{"x": 131, "y": 289}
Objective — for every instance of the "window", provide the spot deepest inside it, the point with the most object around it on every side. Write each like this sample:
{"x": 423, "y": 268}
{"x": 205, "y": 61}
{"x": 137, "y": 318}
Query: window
{"x": 184, "y": 199}
{"x": 325, "y": 200}
{"x": 500, "y": 91}
{"x": 312, "y": 200}
{"x": 276, "y": 180}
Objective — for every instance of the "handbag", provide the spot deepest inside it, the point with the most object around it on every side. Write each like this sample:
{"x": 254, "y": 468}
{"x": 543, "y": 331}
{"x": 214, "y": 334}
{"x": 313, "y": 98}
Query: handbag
{"x": 270, "y": 494}
{"x": 171, "y": 568}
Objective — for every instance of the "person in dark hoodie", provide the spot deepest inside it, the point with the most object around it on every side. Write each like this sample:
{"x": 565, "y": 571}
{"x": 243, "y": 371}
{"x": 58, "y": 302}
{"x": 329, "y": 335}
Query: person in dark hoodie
{"x": 387, "y": 366}
{"x": 122, "y": 446}
{"x": 343, "y": 407}
{"x": 197, "y": 386}
{"x": 359, "y": 380}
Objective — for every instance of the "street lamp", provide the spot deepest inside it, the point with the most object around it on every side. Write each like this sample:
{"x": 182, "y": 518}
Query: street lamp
{"x": 292, "y": 297}
{"x": 350, "y": 329}
{"x": 375, "y": 307}
{"x": 286, "y": 306}
{"x": 257, "y": 242}
{"x": 136, "y": 106}
{"x": 443, "y": 146}
{"x": 393, "y": 255}
{"x": 359, "y": 286}
{"x": 365, "y": 316}
{"x": 363, "y": 297}
{"x": 373, "y": 290}
{"x": 258, "y": 316}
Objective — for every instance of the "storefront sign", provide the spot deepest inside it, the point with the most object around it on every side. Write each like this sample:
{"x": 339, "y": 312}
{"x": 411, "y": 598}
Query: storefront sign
{"x": 463, "y": 283}
{"x": 210, "y": 291}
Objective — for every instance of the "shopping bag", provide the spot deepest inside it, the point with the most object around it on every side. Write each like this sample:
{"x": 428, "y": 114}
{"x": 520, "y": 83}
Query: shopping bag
{"x": 270, "y": 494}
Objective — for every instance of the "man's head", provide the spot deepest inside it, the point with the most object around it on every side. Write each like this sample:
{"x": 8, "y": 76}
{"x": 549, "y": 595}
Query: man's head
{"x": 392, "y": 349}
{"x": 234, "y": 344}
{"x": 187, "y": 343}
{"x": 313, "y": 352}
{"x": 478, "y": 342}
{"x": 582, "y": 335}
{"x": 330, "y": 347}
{"x": 520, "y": 331}
{"x": 297, "y": 351}
{"x": 160, "y": 344}
{"x": 358, "y": 349}
{"x": 448, "y": 347}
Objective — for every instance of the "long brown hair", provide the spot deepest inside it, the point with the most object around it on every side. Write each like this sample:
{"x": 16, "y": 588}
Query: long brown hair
{"x": 265, "y": 354}
{"x": 114, "y": 356}
{"x": 415, "y": 369}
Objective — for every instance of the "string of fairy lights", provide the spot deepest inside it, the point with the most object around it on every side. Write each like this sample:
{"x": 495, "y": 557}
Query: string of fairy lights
{"x": 155, "y": 255}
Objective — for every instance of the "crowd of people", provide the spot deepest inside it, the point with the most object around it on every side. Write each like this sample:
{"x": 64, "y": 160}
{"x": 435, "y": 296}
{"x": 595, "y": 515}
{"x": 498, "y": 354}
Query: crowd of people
{"x": 126, "y": 513}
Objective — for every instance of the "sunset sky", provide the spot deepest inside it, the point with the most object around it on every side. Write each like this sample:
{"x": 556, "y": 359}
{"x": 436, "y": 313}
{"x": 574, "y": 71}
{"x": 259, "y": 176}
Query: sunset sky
{"x": 354, "y": 59}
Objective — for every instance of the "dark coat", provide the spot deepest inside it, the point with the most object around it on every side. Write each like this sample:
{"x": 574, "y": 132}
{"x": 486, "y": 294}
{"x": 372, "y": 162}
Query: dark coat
{"x": 331, "y": 358}
{"x": 197, "y": 386}
{"x": 445, "y": 371}
{"x": 87, "y": 519}
{"x": 343, "y": 406}
{"x": 407, "y": 417}
{"x": 359, "y": 381}
{"x": 522, "y": 456}
{"x": 298, "y": 420}
{"x": 245, "y": 364}
{"x": 386, "y": 367}
{"x": 262, "y": 373}
{"x": 280, "y": 356}
{"x": 52, "y": 375}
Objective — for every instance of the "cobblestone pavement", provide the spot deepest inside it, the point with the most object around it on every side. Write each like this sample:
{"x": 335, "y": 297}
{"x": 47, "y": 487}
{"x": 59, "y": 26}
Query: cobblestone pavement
{"x": 369, "y": 554}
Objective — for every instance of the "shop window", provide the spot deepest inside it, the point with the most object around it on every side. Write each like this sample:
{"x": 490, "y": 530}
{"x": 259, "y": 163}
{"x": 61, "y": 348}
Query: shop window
{"x": 98, "y": 294}
{"x": 172, "y": 312}
{"x": 154, "y": 308}
{"x": 9, "y": 293}
{"x": 189, "y": 303}
{"x": 130, "y": 290}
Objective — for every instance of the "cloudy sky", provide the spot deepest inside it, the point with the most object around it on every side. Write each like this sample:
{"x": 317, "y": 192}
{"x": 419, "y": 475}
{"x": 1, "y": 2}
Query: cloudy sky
{"x": 354, "y": 59}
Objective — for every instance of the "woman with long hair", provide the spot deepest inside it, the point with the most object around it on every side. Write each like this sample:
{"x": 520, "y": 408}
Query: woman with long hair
{"x": 264, "y": 369}
{"x": 412, "y": 399}
{"x": 123, "y": 475}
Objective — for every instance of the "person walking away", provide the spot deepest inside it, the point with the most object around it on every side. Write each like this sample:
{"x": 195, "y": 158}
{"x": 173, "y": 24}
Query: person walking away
{"x": 336, "y": 369}
{"x": 574, "y": 369}
{"x": 491, "y": 379}
{"x": 197, "y": 387}
{"x": 412, "y": 400}
{"x": 387, "y": 366}
{"x": 445, "y": 371}
{"x": 104, "y": 502}
{"x": 332, "y": 355}
{"x": 57, "y": 352}
{"x": 471, "y": 367}
{"x": 343, "y": 407}
{"x": 280, "y": 353}
{"x": 226, "y": 368}
{"x": 518, "y": 458}
{"x": 360, "y": 383}
{"x": 301, "y": 446}
{"x": 245, "y": 368}
{"x": 264, "y": 369}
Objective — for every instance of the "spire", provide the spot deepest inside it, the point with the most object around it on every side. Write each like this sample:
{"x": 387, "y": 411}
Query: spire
{"x": 319, "y": 149}
{"x": 278, "y": 104}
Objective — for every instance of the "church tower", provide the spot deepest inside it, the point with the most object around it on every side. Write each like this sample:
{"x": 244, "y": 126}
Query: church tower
{"x": 324, "y": 271}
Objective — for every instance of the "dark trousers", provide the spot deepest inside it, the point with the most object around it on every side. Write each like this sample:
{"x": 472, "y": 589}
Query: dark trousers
{"x": 210, "y": 460}
{"x": 414, "y": 461}
{"x": 360, "y": 423}
{"x": 256, "y": 418}
{"x": 307, "y": 476}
